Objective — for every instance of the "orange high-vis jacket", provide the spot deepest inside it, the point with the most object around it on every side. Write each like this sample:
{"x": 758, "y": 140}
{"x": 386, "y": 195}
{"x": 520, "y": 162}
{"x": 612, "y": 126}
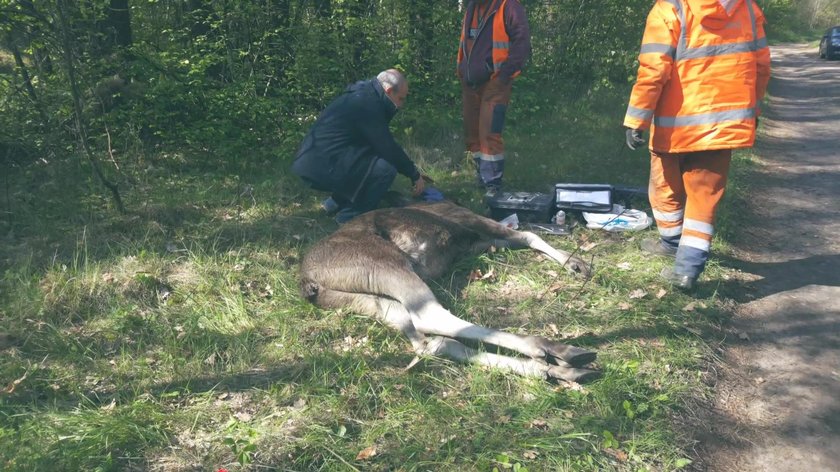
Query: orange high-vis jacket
{"x": 703, "y": 67}
{"x": 501, "y": 39}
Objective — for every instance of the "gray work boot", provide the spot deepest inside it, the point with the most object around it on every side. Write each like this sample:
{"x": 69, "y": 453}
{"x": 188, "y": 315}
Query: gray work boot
{"x": 684, "y": 282}
{"x": 491, "y": 190}
{"x": 655, "y": 247}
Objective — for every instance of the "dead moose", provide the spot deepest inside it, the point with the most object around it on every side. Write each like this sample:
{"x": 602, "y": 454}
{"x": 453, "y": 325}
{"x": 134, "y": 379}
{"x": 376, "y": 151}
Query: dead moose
{"x": 376, "y": 263}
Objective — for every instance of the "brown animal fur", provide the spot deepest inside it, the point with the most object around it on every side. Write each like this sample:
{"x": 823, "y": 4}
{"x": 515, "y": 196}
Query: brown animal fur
{"x": 376, "y": 263}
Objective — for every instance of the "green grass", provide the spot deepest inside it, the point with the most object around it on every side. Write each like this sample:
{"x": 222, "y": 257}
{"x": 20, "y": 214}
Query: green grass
{"x": 173, "y": 337}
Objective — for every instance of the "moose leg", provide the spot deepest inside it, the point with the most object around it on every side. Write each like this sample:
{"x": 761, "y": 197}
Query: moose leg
{"x": 430, "y": 318}
{"x": 436, "y": 320}
{"x": 570, "y": 263}
{"x": 452, "y": 349}
{"x": 495, "y": 230}
{"x": 387, "y": 311}
{"x": 392, "y": 313}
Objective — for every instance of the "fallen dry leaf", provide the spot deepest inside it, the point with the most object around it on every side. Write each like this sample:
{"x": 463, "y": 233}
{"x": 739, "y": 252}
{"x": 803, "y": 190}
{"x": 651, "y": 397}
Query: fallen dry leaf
{"x": 588, "y": 246}
{"x": 661, "y": 293}
{"x": 539, "y": 424}
{"x": 530, "y": 454}
{"x": 243, "y": 416}
{"x": 624, "y": 266}
{"x": 690, "y": 307}
{"x": 618, "y": 455}
{"x": 568, "y": 385}
{"x": 366, "y": 453}
{"x": 12, "y": 386}
{"x": 624, "y": 306}
{"x": 638, "y": 293}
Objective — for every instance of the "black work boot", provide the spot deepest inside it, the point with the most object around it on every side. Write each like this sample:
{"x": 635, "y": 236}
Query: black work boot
{"x": 683, "y": 282}
{"x": 655, "y": 247}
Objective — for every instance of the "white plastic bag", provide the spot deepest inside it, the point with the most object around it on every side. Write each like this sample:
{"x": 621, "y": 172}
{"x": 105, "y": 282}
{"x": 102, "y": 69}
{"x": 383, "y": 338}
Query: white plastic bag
{"x": 512, "y": 221}
{"x": 619, "y": 219}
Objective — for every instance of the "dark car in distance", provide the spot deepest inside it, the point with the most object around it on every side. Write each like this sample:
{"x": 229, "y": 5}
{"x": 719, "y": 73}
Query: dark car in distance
{"x": 830, "y": 43}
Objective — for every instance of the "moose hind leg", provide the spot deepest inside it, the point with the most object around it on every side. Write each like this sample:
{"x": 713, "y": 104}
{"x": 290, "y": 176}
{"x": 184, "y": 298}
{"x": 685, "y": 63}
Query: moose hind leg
{"x": 385, "y": 310}
{"x": 452, "y": 349}
{"x": 434, "y": 319}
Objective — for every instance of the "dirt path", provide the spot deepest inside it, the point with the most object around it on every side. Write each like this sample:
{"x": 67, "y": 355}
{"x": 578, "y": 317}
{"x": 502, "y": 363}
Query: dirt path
{"x": 777, "y": 406}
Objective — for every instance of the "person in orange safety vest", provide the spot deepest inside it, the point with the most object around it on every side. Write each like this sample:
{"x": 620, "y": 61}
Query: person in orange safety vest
{"x": 495, "y": 43}
{"x": 703, "y": 69}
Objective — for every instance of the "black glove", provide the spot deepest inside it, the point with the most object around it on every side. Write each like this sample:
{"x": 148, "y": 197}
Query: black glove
{"x": 634, "y": 138}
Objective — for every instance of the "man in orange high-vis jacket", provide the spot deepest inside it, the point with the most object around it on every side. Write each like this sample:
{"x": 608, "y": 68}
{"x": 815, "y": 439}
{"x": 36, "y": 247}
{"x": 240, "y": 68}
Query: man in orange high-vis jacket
{"x": 495, "y": 43}
{"x": 703, "y": 68}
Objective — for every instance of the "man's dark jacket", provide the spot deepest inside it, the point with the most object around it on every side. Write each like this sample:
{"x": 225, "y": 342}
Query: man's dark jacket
{"x": 477, "y": 66}
{"x": 341, "y": 147}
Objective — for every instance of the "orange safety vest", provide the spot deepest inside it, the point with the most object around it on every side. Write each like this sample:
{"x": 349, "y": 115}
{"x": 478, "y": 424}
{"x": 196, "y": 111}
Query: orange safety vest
{"x": 703, "y": 67}
{"x": 501, "y": 40}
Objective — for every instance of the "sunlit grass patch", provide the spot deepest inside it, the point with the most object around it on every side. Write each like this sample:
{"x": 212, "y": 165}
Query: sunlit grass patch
{"x": 83, "y": 437}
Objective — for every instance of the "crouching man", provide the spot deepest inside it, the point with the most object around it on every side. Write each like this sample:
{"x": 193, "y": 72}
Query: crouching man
{"x": 350, "y": 151}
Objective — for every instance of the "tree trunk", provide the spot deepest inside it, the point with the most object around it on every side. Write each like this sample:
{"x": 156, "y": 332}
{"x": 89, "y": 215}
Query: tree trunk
{"x": 27, "y": 83}
{"x": 66, "y": 39}
{"x": 119, "y": 23}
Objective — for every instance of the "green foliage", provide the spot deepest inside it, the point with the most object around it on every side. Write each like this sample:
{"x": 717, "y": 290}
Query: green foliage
{"x": 241, "y": 441}
{"x": 244, "y": 78}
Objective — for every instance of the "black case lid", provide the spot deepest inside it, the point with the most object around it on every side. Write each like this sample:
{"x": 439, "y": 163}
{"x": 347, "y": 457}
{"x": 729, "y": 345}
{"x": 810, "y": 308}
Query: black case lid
{"x": 522, "y": 200}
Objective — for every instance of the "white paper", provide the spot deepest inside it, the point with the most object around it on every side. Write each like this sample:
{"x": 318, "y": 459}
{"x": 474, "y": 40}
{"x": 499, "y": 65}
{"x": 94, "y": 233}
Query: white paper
{"x": 601, "y": 197}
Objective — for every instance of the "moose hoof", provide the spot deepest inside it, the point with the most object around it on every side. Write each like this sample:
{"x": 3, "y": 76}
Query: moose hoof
{"x": 571, "y": 355}
{"x": 576, "y": 266}
{"x": 572, "y": 374}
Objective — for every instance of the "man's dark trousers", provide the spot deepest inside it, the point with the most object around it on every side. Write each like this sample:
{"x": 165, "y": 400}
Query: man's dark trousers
{"x": 378, "y": 182}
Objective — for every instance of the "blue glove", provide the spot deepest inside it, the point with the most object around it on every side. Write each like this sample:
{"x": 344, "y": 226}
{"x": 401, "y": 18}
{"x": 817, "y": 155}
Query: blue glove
{"x": 634, "y": 138}
{"x": 431, "y": 194}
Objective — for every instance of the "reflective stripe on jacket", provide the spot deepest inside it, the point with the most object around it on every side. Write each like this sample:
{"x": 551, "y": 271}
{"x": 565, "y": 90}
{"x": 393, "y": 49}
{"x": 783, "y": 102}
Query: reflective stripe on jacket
{"x": 703, "y": 67}
{"x": 501, "y": 60}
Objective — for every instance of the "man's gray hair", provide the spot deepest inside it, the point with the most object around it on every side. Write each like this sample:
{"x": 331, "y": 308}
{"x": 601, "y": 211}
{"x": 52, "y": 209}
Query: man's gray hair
{"x": 391, "y": 78}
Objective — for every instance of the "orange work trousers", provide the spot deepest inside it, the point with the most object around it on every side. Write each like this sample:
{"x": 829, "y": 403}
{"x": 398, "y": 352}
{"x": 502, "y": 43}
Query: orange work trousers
{"x": 484, "y": 109}
{"x": 685, "y": 190}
